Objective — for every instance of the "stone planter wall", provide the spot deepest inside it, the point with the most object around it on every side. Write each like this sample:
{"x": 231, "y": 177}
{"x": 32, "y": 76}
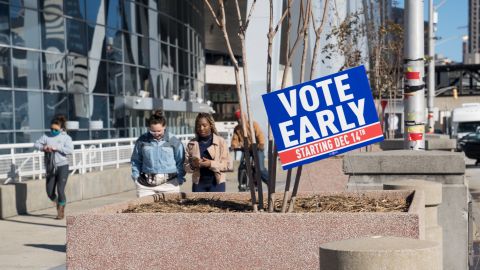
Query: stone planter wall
{"x": 104, "y": 238}
{"x": 368, "y": 171}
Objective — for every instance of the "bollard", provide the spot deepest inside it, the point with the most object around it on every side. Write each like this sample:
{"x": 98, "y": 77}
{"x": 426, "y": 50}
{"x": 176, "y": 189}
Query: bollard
{"x": 433, "y": 198}
{"x": 381, "y": 252}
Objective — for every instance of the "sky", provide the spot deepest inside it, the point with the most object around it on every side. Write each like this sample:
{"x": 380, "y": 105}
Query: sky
{"x": 452, "y": 26}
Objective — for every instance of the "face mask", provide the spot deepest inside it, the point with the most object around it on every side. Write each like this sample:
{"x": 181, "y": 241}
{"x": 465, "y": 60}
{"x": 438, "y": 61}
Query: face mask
{"x": 55, "y": 132}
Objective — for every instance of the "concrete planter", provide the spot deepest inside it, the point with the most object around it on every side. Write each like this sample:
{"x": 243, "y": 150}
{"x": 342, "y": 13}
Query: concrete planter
{"x": 105, "y": 238}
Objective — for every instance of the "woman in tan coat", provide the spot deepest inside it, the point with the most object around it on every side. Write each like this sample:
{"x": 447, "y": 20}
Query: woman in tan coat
{"x": 207, "y": 157}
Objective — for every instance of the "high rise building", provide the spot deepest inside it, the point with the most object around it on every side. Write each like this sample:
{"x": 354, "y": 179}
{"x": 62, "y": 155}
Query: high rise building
{"x": 105, "y": 64}
{"x": 472, "y": 55}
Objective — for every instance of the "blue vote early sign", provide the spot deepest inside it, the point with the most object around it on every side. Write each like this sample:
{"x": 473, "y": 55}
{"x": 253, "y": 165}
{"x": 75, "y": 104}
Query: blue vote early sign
{"x": 323, "y": 117}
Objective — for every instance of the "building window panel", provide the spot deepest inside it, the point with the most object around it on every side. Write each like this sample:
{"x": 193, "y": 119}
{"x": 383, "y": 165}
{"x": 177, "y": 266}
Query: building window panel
{"x": 163, "y": 22}
{"x": 131, "y": 81}
{"x": 54, "y": 77}
{"x": 6, "y": 110}
{"x": 54, "y": 104}
{"x": 53, "y": 32}
{"x": 98, "y": 74}
{"x": 79, "y": 105}
{"x": 95, "y": 11}
{"x": 75, "y": 8}
{"x": 27, "y": 136}
{"x": 5, "y": 71}
{"x": 145, "y": 80}
{"x": 116, "y": 114}
{"x": 100, "y": 110}
{"x": 114, "y": 18}
{"x": 143, "y": 52}
{"x": 25, "y": 27}
{"x": 128, "y": 17}
{"x": 167, "y": 84}
{"x": 142, "y": 20}
{"x": 76, "y": 37}
{"x": 4, "y": 24}
{"x": 115, "y": 79}
{"x": 24, "y": 3}
{"x": 6, "y": 137}
{"x": 173, "y": 58}
{"x": 27, "y": 107}
{"x": 77, "y": 74}
{"x": 79, "y": 135}
{"x": 26, "y": 69}
{"x": 114, "y": 45}
{"x": 52, "y": 6}
{"x": 96, "y": 41}
{"x": 131, "y": 48}
{"x": 174, "y": 32}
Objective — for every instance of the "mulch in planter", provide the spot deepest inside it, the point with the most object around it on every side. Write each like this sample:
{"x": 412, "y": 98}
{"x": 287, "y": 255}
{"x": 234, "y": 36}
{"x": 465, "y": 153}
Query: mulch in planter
{"x": 311, "y": 204}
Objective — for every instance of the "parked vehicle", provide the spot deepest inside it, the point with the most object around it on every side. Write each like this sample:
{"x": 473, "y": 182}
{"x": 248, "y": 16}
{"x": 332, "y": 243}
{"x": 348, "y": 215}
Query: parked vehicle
{"x": 465, "y": 120}
{"x": 470, "y": 144}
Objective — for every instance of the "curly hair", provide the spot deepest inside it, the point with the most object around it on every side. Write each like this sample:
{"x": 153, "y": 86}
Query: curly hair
{"x": 157, "y": 118}
{"x": 59, "y": 120}
{"x": 210, "y": 120}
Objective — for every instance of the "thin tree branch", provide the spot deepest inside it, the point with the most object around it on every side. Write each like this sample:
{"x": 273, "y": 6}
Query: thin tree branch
{"x": 252, "y": 7}
{"x": 214, "y": 16}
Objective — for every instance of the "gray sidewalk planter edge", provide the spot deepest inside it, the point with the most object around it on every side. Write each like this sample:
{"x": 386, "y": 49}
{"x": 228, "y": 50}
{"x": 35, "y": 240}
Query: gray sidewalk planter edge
{"x": 369, "y": 170}
{"x": 29, "y": 196}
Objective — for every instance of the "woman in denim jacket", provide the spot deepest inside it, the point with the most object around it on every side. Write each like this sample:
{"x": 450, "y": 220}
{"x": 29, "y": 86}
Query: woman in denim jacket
{"x": 157, "y": 159}
{"x": 207, "y": 157}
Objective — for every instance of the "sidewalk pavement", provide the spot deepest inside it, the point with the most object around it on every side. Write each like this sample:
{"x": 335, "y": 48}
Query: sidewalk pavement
{"x": 37, "y": 240}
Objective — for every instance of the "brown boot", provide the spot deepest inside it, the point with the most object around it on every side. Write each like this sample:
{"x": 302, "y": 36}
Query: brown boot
{"x": 60, "y": 212}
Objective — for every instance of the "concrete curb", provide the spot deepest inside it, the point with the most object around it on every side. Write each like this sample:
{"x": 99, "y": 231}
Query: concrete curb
{"x": 29, "y": 196}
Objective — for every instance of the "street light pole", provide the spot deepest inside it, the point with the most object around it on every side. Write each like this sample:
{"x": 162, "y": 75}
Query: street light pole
{"x": 431, "y": 66}
{"x": 414, "y": 99}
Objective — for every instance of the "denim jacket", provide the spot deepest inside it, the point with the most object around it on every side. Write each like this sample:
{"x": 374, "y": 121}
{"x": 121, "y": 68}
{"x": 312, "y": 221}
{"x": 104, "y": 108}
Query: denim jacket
{"x": 158, "y": 156}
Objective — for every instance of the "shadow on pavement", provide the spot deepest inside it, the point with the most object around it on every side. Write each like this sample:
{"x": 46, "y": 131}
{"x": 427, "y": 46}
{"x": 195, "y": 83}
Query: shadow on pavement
{"x": 59, "y": 248}
{"x": 34, "y": 223}
{"x": 47, "y": 216}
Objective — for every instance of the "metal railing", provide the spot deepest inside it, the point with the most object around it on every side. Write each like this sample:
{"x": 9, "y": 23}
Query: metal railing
{"x": 23, "y": 161}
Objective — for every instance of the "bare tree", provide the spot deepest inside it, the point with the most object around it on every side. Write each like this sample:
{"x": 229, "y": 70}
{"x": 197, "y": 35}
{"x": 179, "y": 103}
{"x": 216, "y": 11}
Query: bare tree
{"x": 302, "y": 35}
{"x": 272, "y": 31}
{"x": 221, "y": 23}
{"x": 344, "y": 40}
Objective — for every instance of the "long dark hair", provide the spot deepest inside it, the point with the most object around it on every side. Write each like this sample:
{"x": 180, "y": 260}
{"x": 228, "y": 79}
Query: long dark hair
{"x": 209, "y": 119}
{"x": 59, "y": 120}
{"x": 157, "y": 118}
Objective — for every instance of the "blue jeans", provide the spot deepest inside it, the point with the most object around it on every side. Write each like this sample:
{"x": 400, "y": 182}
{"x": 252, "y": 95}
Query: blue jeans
{"x": 201, "y": 187}
{"x": 263, "y": 171}
{"x": 261, "y": 159}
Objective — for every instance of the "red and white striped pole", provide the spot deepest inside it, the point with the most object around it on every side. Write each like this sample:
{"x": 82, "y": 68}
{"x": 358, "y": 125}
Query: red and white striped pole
{"x": 414, "y": 71}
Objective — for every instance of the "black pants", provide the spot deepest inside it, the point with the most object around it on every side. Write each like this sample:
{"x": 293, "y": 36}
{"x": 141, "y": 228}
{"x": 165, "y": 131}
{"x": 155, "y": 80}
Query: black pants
{"x": 58, "y": 180}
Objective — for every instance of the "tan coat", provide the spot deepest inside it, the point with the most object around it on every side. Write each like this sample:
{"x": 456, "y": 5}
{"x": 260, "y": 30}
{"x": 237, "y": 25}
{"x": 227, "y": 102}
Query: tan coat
{"x": 237, "y": 138}
{"x": 220, "y": 164}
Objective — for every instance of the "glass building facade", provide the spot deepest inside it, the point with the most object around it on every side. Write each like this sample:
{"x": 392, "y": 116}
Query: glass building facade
{"x": 105, "y": 64}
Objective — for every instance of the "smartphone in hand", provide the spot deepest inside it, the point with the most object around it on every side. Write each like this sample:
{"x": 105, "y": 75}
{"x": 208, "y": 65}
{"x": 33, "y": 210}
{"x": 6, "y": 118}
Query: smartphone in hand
{"x": 195, "y": 162}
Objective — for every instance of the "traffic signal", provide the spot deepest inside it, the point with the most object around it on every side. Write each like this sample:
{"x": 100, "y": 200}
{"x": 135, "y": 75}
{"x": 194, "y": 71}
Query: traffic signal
{"x": 455, "y": 93}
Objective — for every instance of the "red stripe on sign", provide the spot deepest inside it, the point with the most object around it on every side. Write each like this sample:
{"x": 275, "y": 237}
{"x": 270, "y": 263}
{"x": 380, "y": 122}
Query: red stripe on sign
{"x": 415, "y": 136}
{"x": 330, "y": 144}
{"x": 412, "y": 75}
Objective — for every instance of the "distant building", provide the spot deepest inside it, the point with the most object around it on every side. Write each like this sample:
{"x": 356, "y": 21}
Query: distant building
{"x": 472, "y": 54}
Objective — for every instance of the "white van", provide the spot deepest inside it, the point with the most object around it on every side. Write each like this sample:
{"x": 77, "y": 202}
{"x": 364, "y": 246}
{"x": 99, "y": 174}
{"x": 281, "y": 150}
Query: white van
{"x": 465, "y": 120}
